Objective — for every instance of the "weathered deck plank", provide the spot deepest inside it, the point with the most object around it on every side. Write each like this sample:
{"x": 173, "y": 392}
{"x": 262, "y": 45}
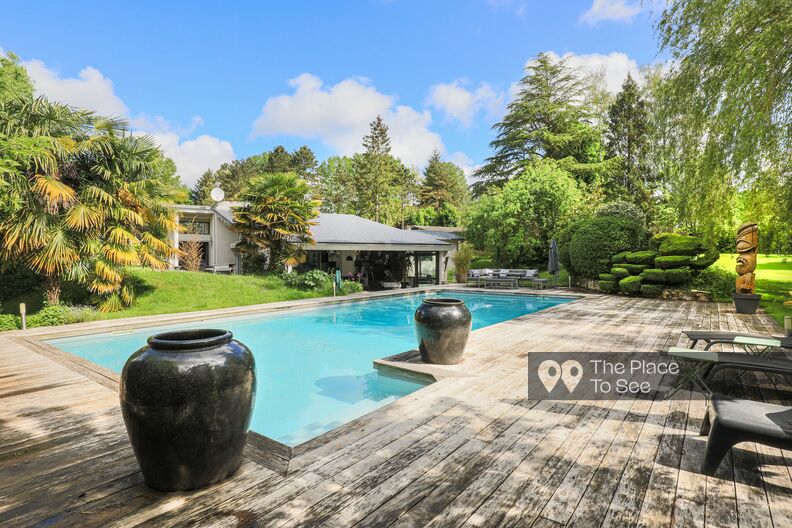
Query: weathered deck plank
{"x": 469, "y": 450}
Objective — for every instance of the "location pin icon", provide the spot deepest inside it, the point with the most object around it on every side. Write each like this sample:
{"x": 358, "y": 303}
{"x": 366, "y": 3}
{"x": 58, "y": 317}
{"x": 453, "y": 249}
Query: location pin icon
{"x": 549, "y": 372}
{"x": 571, "y": 372}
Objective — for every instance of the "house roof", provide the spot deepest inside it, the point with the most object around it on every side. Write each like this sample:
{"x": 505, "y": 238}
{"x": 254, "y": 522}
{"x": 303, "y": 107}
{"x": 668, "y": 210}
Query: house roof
{"x": 443, "y": 232}
{"x": 351, "y": 230}
{"x": 345, "y": 231}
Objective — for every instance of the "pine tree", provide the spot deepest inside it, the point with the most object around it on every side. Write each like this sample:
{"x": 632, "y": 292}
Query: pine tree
{"x": 627, "y": 138}
{"x": 304, "y": 164}
{"x": 374, "y": 171}
{"x": 443, "y": 183}
{"x": 547, "y": 119}
{"x": 199, "y": 194}
{"x": 279, "y": 160}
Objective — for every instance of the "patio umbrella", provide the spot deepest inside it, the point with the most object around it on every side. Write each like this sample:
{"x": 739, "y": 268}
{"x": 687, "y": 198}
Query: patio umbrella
{"x": 552, "y": 263}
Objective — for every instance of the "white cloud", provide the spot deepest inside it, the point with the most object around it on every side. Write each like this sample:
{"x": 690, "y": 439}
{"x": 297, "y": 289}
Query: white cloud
{"x": 339, "y": 115}
{"x": 194, "y": 156}
{"x": 618, "y": 10}
{"x": 614, "y": 66}
{"x": 458, "y": 103}
{"x": 89, "y": 91}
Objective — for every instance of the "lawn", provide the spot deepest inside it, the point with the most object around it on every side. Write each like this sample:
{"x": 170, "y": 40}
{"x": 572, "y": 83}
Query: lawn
{"x": 162, "y": 292}
{"x": 773, "y": 281}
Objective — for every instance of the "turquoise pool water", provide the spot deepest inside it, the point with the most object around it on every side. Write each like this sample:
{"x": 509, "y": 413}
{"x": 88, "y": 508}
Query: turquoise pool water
{"x": 314, "y": 366}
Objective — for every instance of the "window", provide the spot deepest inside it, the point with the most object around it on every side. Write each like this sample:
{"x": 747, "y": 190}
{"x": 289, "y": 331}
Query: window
{"x": 198, "y": 227}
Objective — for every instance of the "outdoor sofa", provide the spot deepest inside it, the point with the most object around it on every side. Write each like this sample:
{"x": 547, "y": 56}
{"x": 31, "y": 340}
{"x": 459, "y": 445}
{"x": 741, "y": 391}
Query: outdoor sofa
{"x": 496, "y": 278}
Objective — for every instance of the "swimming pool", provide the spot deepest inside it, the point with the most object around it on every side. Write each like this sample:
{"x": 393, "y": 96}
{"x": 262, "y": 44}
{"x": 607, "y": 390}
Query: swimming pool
{"x": 314, "y": 366}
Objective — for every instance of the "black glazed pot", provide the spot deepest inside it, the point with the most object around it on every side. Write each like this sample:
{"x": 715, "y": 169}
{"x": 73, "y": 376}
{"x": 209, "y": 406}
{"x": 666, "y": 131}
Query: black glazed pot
{"x": 746, "y": 303}
{"x": 187, "y": 399}
{"x": 442, "y": 327}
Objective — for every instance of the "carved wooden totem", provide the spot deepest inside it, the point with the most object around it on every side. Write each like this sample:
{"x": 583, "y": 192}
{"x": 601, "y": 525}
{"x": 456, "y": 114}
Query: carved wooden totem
{"x": 747, "y": 249}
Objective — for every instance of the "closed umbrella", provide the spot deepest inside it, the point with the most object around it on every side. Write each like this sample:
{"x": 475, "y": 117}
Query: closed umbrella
{"x": 552, "y": 264}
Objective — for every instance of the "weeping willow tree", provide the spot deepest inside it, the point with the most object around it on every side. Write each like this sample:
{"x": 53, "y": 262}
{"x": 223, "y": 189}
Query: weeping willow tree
{"x": 79, "y": 199}
{"x": 731, "y": 87}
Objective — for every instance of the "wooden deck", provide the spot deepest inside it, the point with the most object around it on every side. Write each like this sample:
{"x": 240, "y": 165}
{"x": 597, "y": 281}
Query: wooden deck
{"x": 469, "y": 450}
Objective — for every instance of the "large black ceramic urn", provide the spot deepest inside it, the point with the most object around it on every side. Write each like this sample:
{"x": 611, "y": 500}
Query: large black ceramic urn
{"x": 187, "y": 399}
{"x": 442, "y": 327}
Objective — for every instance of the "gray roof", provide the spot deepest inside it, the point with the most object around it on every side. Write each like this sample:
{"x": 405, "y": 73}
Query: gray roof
{"x": 444, "y": 235}
{"x": 351, "y": 229}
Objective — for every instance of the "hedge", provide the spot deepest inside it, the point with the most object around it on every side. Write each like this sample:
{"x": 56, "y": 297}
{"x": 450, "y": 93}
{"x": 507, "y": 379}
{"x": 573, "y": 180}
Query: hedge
{"x": 677, "y": 275}
{"x": 641, "y": 257}
{"x": 607, "y": 277}
{"x": 673, "y": 261}
{"x": 651, "y": 290}
{"x": 598, "y": 239}
{"x": 681, "y": 245}
{"x": 631, "y": 284}
{"x": 9, "y": 322}
{"x": 564, "y": 239}
{"x": 619, "y": 273}
{"x": 609, "y": 286}
{"x": 620, "y": 258}
{"x": 654, "y": 275}
{"x": 634, "y": 269}
{"x": 655, "y": 241}
{"x": 705, "y": 260}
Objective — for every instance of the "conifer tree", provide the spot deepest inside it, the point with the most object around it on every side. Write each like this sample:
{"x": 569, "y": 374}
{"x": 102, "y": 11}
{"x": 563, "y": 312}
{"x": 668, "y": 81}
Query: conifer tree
{"x": 279, "y": 160}
{"x": 443, "y": 183}
{"x": 374, "y": 170}
{"x": 199, "y": 194}
{"x": 626, "y": 137}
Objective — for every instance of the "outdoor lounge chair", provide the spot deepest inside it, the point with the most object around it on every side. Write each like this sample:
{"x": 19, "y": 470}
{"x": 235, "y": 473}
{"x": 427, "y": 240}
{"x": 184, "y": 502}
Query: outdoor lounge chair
{"x": 700, "y": 366}
{"x": 713, "y": 337}
{"x": 730, "y": 421}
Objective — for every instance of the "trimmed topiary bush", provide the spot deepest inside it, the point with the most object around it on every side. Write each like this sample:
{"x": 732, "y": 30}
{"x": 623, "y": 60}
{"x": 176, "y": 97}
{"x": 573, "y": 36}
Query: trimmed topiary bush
{"x": 609, "y": 286}
{"x": 681, "y": 245}
{"x": 631, "y": 285}
{"x": 634, "y": 269}
{"x": 672, "y": 261}
{"x": 564, "y": 240}
{"x": 598, "y": 239}
{"x": 659, "y": 238}
{"x": 619, "y": 273}
{"x": 677, "y": 275}
{"x": 620, "y": 258}
{"x": 705, "y": 260}
{"x": 606, "y": 277}
{"x": 654, "y": 275}
{"x": 651, "y": 290}
{"x": 622, "y": 209}
{"x": 641, "y": 257}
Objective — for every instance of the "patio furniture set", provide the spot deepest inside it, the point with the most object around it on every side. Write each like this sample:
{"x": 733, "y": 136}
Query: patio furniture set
{"x": 731, "y": 420}
{"x": 506, "y": 278}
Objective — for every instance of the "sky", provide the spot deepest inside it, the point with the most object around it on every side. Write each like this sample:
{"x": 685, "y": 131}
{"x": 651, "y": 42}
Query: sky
{"x": 216, "y": 81}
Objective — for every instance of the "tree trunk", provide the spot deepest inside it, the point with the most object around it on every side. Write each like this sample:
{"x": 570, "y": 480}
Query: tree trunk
{"x": 53, "y": 289}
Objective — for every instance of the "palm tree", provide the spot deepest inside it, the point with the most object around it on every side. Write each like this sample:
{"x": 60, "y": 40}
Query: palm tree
{"x": 79, "y": 199}
{"x": 276, "y": 218}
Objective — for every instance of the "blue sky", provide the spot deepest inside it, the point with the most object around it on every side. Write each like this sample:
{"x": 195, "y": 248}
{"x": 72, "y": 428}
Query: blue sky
{"x": 216, "y": 80}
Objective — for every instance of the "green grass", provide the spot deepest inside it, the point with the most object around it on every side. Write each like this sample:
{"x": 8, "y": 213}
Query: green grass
{"x": 161, "y": 292}
{"x": 773, "y": 281}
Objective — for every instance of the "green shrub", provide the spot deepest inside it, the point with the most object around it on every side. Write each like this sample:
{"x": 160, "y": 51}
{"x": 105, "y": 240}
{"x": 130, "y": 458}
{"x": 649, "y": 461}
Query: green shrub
{"x": 620, "y": 258}
{"x": 349, "y": 287}
{"x": 659, "y": 238}
{"x": 719, "y": 282}
{"x": 564, "y": 241}
{"x": 678, "y": 275}
{"x": 651, "y": 290}
{"x": 609, "y": 286}
{"x": 59, "y": 314}
{"x": 9, "y": 322}
{"x": 598, "y": 239}
{"x": 631, "y": 285}
{"x": 705, "y": 260}
{"x": 619, "y": 273}
{"x": 634, "y": 269}
{"x": 673, "y": 261}
{"x": 310, "y": 280}
{"x": 681, "y": 245}
{"x": 641, "y": 257}
{"x": 654, "y": 275}
{"x": 607, "y": 277}
{"x": 622, "y": 209}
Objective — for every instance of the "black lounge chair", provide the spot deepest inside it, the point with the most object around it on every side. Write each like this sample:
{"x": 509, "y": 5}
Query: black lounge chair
{"x": 714, "y": 337}
{"x": 730, "y": 421}
{"x": 700, "y": 366}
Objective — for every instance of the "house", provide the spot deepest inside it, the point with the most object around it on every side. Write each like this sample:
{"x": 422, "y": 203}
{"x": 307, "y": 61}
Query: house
{"x": 378, "y": 255}
{"x": 454, "y": 236}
